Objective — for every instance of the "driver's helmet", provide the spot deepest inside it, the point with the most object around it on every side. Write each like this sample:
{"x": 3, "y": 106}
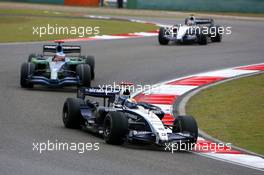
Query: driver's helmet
{"x": 59, "y": 48}
{"x": 60, "y": 55}
{"x": 123, "y": 96}
{"x": 126, "y": 93}
{"x": 190, "y": 21}
{"x": 131, "y": 103}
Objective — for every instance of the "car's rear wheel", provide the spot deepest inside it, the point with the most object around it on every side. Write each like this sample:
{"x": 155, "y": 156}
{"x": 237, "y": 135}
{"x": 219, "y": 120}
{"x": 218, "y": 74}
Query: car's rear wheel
{"x": 186, "y": 124}
{"x": 217, "y": 38}
{"x": 115, "y": 128}
{"x": 83, "y": 71}
{"x": 162, "y": 39}
{"x": 27, "y": 69}
{"x": 90, "y": 60}
{"x": 203, "y": 39}
{"x": 71, "y": 114}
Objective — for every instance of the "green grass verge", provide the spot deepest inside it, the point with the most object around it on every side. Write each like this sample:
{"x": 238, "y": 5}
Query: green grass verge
{"x": 33, "y": 12}
{"x": 21, "y": 8}
{"x": 233, "y": 112}
{"x": 20, "y": 28}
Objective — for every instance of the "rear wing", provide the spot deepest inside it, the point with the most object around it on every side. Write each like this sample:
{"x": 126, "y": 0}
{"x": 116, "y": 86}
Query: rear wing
{"x": 105, "y": 93}
{"x": 204, "y": 21}
{"x": 200, "y": 21}
{"x": 97, "y": 92}
{"x": 66, "y": 49}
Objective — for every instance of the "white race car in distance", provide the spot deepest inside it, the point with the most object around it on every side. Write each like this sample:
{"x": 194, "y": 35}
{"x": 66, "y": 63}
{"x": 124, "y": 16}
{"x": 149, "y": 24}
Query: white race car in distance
{"x": 195, "y": 30}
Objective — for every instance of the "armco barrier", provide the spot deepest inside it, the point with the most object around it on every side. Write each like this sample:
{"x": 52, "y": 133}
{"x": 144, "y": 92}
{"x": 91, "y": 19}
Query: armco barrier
{"x": 249, "y": 6}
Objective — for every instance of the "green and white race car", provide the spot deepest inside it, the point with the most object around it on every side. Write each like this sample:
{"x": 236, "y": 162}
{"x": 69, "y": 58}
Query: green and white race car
{"x": 59, "y": 65}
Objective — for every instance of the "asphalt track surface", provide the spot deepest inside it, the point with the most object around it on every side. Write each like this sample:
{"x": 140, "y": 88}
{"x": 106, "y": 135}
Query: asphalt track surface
{"x": 28, "y": 116}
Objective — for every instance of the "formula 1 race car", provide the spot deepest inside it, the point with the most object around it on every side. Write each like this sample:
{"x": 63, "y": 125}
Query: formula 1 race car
{"x": 59, "y": 65}
{"x": 195, "y": 30}
{"x": 121, "y": 119}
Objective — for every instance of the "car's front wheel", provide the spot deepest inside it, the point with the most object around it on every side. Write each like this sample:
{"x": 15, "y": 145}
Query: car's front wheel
{"x": 27, "y": 69}
{"x": 115, "y": 128}
{"x": 186, "y": 124}
{"x": 162, "y": 39}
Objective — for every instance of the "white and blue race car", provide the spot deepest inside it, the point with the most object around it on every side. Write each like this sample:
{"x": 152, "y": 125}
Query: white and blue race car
{"x": 195, "y": 30}
{"x": 122, "y": 119}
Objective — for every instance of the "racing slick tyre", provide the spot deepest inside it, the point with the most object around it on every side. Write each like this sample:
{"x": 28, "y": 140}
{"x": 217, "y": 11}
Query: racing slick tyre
{"x": 162, "y": 39}
{"x": 90, "y": 60}
{"x": 71, "y": 114}
{"x": 32, "y": 55}
{"x": 186, "y": 124}
{"x": 115, "y": 128}
{"x": 27, "y": 69}
{"x": 203, "y": 40}
{"x": 84, "y": 73}
{"x": 218, "y": 36}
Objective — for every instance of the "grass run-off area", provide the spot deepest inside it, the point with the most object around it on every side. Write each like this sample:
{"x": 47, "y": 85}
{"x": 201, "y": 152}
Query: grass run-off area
{"x": 16, "y": 27}
{"x": 233, "y": 112}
